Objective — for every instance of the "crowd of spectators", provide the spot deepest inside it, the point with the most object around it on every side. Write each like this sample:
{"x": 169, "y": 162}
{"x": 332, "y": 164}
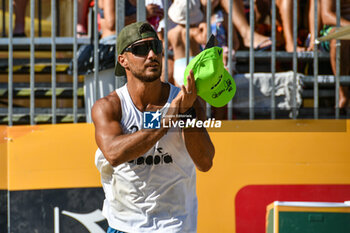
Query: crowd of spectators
{"x": 219, "y": 26}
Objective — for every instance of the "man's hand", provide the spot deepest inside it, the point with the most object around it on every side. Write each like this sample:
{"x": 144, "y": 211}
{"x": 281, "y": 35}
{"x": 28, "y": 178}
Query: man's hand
{"x": 197, "y": 140}
{"x": 188, "y": 93}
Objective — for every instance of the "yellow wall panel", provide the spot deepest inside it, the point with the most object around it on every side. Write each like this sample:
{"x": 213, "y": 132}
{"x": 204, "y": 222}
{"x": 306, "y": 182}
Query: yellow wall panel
{"x": 247, "y": 152}
{"x": 52, "y": 156}
{"x": 275, "y": 153}
{"x": 3, "y": 157}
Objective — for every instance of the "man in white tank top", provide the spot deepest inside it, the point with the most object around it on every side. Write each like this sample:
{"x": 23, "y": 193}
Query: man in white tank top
{"x": 148, "y": 175}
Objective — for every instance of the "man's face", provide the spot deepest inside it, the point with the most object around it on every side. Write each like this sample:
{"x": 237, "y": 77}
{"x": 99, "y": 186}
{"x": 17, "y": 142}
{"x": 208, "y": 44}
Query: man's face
{"x": 145, "y": 67}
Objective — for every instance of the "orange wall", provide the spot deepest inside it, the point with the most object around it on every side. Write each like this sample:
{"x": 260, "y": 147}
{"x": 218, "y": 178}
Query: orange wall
{"x": 281, "y": 152}
{"x": 52, "y": 156}
{"x": 246, "y": 157}
{"x": 3, "y": 157}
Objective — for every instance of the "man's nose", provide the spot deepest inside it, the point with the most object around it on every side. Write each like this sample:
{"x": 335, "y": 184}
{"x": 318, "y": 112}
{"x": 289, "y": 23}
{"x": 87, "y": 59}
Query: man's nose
{"x": 151, "y": 54}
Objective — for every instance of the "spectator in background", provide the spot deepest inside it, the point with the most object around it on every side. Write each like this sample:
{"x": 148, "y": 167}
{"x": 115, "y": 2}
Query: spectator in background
{"x": 219, "y": 28}
{"x": 329, "y": 19}
{"x": 20, "y": 12}
{"x": 154, "y": 12}
{"x": 177, "y": 35}
{"x": 83, "y": 6}
{"x": 107, "y": 18}
{"x": 284, "y": 18}
{"x": 285, "y": 8}
{"x": 261, "y": 42}
{"x": 310, "y": 45}
{"x": 161, "y": 32}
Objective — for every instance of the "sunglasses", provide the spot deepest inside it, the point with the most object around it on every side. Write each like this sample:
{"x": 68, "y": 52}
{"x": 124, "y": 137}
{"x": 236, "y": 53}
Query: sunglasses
{"x": 143, "y": 48}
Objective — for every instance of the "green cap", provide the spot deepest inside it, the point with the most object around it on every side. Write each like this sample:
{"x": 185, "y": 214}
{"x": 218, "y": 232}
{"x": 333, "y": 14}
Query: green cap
{"x": 214, "y": 84}
{"x": 129, "y": 35}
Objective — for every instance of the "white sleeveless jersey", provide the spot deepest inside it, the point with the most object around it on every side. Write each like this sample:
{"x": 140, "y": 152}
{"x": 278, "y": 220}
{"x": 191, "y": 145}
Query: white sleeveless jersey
{"x": 155, "y": 192}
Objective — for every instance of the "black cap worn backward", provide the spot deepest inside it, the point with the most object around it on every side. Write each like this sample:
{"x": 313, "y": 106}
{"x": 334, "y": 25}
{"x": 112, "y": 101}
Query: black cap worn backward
{"x": 129, "y": 35}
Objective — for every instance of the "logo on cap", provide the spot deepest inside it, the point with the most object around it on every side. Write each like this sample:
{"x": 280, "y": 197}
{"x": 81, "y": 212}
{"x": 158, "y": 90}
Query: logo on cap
{"x": 217, "y": 83}
{"x": 228, "y": 87}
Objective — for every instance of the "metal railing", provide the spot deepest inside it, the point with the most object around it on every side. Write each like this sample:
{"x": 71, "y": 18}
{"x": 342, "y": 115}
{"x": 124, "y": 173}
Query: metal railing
{"x": 43, "y": 43}
{"x": 55, "y": 43}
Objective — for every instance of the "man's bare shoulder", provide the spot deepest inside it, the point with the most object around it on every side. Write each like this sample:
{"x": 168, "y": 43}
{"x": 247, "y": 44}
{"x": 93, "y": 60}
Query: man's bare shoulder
{"x": 108, "y": 106}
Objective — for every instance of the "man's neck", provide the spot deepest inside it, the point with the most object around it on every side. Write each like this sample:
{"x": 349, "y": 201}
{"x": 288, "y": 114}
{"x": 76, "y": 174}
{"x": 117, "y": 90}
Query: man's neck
{"x": 146, "y": 94}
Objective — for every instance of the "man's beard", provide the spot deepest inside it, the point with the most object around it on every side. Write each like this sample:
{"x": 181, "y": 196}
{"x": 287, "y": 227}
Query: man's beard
{"x": 147, "y": 78}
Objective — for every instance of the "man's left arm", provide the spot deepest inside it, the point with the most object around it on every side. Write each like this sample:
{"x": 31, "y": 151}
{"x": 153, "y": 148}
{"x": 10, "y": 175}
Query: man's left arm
{"x": 198, "y": 142}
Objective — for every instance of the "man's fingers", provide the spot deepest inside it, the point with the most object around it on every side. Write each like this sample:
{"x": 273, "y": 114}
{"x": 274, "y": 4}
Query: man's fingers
{"x": 191, "y": 84}
{"x": 191, "y": 80}
{"x": 188, "y": 86}
{"x": 184, "y": 89}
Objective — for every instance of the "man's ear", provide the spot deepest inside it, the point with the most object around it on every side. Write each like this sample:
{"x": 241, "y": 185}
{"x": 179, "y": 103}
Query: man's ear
{"x": 122, "y": 59}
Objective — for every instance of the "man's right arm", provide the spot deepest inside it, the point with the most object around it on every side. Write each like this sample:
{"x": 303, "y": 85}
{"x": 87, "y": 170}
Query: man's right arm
{"x": 116, "y": 146}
